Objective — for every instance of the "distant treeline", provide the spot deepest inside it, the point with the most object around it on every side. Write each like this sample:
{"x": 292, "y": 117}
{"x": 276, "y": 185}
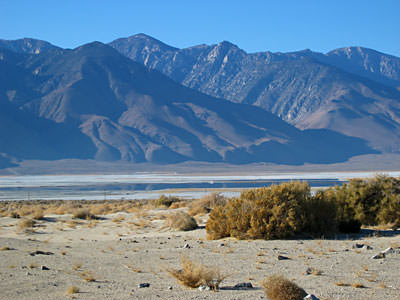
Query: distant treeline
{"x": 290, "y": 209}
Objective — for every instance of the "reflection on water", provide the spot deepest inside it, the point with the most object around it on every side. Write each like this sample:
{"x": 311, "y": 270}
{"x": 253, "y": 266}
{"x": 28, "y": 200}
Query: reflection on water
{"x": 150, "y": 186}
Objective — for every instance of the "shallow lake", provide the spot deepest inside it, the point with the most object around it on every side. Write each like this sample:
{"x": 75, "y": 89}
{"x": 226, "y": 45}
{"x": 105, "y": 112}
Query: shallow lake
{"x": 151, "y": 186}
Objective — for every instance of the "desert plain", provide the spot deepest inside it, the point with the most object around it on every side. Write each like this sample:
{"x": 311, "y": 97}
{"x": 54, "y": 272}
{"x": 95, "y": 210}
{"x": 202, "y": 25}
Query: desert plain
{"x": 110, "y": 256}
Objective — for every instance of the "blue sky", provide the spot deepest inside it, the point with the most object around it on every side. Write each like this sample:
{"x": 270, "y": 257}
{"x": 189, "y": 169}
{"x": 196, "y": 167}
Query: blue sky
{"x": 285, "y": 25}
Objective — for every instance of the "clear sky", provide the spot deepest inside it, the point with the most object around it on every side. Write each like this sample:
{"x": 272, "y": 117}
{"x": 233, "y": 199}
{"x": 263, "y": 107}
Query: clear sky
{"x": 253, "y": 25}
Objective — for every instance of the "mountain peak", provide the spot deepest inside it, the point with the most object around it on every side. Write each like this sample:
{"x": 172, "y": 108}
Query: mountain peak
{"x": 27, "y": 45}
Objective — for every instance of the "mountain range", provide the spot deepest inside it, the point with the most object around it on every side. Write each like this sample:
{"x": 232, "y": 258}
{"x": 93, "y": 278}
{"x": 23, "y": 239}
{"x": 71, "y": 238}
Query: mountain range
{"x": 140, "y": 100}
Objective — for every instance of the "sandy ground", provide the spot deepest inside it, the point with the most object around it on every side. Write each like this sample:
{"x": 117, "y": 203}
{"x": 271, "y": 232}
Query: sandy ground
{"x": 123, "y": 250}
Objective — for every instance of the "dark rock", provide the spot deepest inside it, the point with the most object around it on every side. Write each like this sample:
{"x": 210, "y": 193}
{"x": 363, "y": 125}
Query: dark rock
{"x": 243, "y": 285}
{"x": 38, "y": 252}
{"x": 44, "y": 268}
{"x": 144, "y": 285}
{"x": 281, "y": 257}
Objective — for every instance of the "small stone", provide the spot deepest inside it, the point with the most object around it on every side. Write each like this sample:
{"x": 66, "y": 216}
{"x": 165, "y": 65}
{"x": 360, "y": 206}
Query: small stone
{"x": 186, "y": 246}
{"x": 44, "y": 268}
{"x": 204, "y": 288}
{"x": 281, "y": 257}
{"x": 222, "y": 245}
{"x": 356, "y": 246}
{"x": 144, "y": 285}
{"x": 310, "y": 297}
{"x": 28, "y": 274}
{"x": 170, "y": 287}
{"x": 378, "y": 256}
{"x": 367, "y": 247}
{"x": 243, "y": 285}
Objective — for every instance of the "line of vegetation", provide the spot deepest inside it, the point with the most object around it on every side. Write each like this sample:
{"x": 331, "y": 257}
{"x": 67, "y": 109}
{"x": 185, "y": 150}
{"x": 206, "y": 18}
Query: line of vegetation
{"x": 290, "y": 209}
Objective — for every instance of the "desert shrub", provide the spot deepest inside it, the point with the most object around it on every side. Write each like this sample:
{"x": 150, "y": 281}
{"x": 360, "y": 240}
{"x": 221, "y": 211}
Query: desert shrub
{"x": 181, "y": 221}
{"x": 72, "y": 290}
{"x": 268, "y": 213}
{"x": 83, "y": 214}
{"x": 38, "y": 214}
{"x": 279, "y": 288}
{"x": 206, "y": 203}
{"x": 194, "y": 274}
{"x": 26, "y": 224}
{"x": 373, "y": 201}
{"x": 166, "y": 200}
{"x": 320, "y": 215}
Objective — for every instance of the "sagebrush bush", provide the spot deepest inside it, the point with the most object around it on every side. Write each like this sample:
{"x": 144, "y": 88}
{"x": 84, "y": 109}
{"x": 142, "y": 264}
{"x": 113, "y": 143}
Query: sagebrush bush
{"x": 206, "y": 203}
{"x": 83, "y": 214}
{"x": 166, "y": 201}
{"x": 279, "y": 288}
{"x": 268, "y": 213}
{"x": 181, "y": 221}
{"x": 194, "y": 274}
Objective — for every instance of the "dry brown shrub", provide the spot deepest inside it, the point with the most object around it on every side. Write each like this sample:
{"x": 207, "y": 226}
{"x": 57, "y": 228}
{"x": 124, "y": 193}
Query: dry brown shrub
{"x": 38, "y": 214}
{"x": 194, "y": 274}
{"x": 87, "y": 276}
{"x": 72, "y": 290}
{"x": 206, "y": 203}
{"x": 179, "y": 204}
{"x": 83, "y": 214}
{"x": 26, "y": 224}
{"x": 181, "y": 221}
{"x": 280, "y": 288}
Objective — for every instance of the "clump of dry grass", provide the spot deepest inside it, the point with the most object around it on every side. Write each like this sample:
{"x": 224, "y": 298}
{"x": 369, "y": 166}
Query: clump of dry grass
{"x": 72, "y": 290}
{"x": 341, "y": 283}
{"x": 205, "y": 204}
{"x": 38, "y": 214}
{"x": 181, "y": 221}
{"x": 194, "y": 274}
{"x": 26, "y": 224}
{"x": 87, "y": 276}
{"x": 280, "y": 288}
{"x": 83, "y": 214}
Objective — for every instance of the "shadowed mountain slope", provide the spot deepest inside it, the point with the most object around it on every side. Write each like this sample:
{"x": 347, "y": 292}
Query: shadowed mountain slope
{"x": 352, "y": 90}
{"x": 133, "y": 113}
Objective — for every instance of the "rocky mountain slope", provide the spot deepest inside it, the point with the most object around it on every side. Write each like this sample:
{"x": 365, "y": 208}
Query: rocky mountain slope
{"x": 93, "y": 102}
{"x": 354, "y": 91}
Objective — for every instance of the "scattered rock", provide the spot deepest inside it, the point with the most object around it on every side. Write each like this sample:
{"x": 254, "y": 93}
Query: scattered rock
{"x": 310, "y": 297}
{"x": 281, "y": 257}
{"x": 379, "y": 256}
{"x": 28, "y": 274}
{"x": 170, "y": 287}
{"x": 144, "y": 285}
{"x": 221, "y": 245}
{"x": 243, "y": 286}
{"x": 186, "y": 246}
{"x": 362, "y": 246}
{"x": 38, "y": 252}
{"x": 204, "y": 288}
{"x": 44, "y": 268}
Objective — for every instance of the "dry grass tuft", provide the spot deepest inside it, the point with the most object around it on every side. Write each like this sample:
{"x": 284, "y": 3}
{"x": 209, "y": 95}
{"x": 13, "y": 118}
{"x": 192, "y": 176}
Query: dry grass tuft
{"x": 205, "y": 204}
{"x": 279, "y": 288}
{"x": 341, "y": 283}
{"x": 72, "y": 290}
{"x": 194, "y": 274}
{"x": 38, "y": 214}
{"x": 87, "y": 276}
{"x": 83, "y": 214}
{"x": 26, "y": 224}
{"x": 181, "y": 221}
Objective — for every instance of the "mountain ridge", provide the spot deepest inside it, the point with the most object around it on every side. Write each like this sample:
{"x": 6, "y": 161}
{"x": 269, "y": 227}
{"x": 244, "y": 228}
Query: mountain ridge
{"x": 112, "y": 101}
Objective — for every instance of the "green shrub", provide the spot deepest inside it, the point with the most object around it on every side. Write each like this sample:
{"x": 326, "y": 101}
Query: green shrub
{"x": 267, "y": 213}
{"x": 320, "y": 215}
{"x": 166, "y": 200}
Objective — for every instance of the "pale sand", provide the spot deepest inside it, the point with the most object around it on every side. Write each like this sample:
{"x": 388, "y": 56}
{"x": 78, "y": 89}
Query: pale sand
{"x": 122, "y": 255}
